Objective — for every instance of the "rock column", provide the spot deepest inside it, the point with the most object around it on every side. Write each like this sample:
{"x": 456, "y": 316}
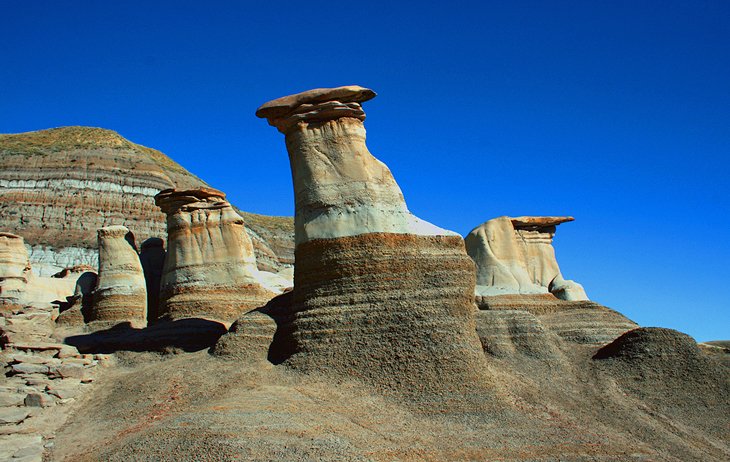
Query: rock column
{"x": 516, "y": 256}
{"x": 120, "y": 296}
{"x": 378, "y": 293}
{"x": 210, "y": 267}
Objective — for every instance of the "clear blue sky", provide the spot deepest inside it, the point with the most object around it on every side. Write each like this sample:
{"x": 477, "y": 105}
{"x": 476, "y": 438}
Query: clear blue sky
{"x": 617, "y": 113}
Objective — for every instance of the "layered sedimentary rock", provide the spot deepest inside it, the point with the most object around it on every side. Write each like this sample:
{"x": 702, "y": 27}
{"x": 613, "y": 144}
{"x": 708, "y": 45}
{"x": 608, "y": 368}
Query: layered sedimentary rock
{"x": 58, "y": 186}
{"x": 516, "y": 256}
{"x": 379, "y": 294}
{"x": 575, "y": 321}
{"x": 506, "y": 333}
{"x": 210, "y": 269}
{"x": 120, "y": 296}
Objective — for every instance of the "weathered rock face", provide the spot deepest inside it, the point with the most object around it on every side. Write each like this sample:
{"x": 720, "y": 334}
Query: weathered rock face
{"x": 579, "y": 321}
{"x": 210, "y": 269}
{"x": 120, "y": 295}
{"x": 516, "y": 256}
{"x": 58, "y": 186}
{"x": 378, "y": 293}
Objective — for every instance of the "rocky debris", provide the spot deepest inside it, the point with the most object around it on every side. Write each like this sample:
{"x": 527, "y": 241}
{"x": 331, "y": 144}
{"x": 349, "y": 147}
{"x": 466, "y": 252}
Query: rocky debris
{"x": 210, "y": 270}
{"x": 120, "y": 296}
{"x": 575, "y": 321}
{"x": 516, "y": 256}
{"x": 379, "y": 294}
{"x": 340, "y": 189}
{"x": 42, "y": 378}
{"x": 58, "y": 186}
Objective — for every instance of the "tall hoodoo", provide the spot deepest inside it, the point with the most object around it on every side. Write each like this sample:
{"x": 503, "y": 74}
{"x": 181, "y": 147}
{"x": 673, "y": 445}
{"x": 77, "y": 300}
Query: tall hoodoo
{"x": 378, "y": 292}
{"x": 516, "y": 256}
{"x": 210, "y": 267}
{"x": 121, "y": 293}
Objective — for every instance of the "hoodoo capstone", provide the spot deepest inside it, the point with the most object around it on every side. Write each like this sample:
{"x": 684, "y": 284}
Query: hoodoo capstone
{"x": 379, "y": 294}
{"x": 516, "y": 256}
{"x": 210, "y": 267}
{"x": 120, "y": 296}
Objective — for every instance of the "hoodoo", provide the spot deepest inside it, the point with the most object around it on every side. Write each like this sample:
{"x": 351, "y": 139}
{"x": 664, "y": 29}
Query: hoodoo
{"x": 378, "y": 293}
{"x": 121, "y": 293}
{"x": 210, "y": 267}
{"x": 516, "y": 256}
{"x": 517, "y": 271}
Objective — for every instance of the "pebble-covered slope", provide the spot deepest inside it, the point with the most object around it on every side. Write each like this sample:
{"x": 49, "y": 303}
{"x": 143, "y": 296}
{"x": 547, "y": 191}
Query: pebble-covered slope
{"x": 58, "y": 186}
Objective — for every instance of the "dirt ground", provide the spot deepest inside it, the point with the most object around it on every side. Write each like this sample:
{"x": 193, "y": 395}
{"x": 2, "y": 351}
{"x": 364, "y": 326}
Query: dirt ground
{"x": 655, "y": 397}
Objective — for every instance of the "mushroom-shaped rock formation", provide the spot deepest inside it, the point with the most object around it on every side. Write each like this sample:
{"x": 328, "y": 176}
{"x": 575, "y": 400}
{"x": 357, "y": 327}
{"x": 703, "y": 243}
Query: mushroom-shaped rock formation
{"x": 120, "y": 296}
{"x": 340, "y": 189}
{"x": 516, "y": 256}
{"x": 379, "y": 294}
{"x": 210, "y": 267}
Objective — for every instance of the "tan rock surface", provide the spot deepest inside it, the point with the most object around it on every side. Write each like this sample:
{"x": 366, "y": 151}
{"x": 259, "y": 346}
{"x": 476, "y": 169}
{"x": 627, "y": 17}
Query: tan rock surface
{"x": 120, "y": 295}
{"x": 58, "y": 186}
{"x": 210, "y": 269}
{"x": 516, "y": 256}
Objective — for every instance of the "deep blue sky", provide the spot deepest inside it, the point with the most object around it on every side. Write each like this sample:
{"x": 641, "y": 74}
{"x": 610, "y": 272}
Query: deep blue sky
{"x": 617, "y": 113}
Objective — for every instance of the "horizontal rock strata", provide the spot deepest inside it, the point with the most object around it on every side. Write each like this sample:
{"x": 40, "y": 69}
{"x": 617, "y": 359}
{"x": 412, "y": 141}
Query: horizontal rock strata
{"x": 210, "y": 269}
{"x": 58, "y": 186}
{"x": 120, "y": 296}
{"x": 506, "y": 333}
{"x": 576, "y": 321}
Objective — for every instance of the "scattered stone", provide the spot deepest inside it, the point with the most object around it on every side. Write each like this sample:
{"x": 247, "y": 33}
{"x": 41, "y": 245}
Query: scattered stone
{"x": 13, "y": 415}
{"x": 38, "y": 400}
{"x": 10, "y": 398}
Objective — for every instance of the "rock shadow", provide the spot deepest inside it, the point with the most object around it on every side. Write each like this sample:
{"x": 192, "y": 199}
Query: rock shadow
{"x": 189, "y": 335}
{"x": 152, "y": 257}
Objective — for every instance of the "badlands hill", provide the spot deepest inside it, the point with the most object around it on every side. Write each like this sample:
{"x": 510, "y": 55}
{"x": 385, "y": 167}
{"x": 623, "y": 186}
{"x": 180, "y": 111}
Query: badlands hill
{"x": 58, "y": 186}
{"x": 399, "y": 341}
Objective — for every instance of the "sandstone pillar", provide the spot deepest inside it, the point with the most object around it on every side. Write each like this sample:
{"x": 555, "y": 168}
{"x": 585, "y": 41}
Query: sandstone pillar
{"x": 120, "y": 295}
{"x": 516, "y": 256}
{"x": 210, "y": 267}
{"x": 14, "y": 269}
{"x": 378, "y": 293}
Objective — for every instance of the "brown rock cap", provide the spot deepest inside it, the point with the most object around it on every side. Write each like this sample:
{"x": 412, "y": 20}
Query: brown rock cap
{"x": 170, "y": 200}
{"x": 281, "y": 107}
{"x": 538, "y": 222}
